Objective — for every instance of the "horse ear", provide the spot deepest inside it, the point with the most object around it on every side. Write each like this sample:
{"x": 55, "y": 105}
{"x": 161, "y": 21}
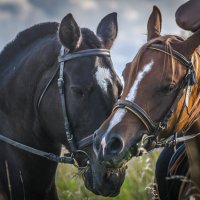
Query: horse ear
{"x": 107, "y": 29}
{"x": 69, "y": 33}
{"x": 154, "y": 24}
{"x": 188, "y": 46}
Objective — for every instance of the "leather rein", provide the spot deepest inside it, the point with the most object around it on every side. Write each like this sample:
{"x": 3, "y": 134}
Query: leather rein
{"x": 154, "y": 128}
{"x": 74, "y": 148}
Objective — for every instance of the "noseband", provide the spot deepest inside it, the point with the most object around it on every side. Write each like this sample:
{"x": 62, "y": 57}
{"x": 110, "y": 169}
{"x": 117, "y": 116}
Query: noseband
{"x": 74, "y": 148}
{"x": 154, "y": 128}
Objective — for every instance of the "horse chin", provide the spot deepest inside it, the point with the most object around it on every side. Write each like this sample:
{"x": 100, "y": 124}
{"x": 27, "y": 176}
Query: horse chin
{"x": 116, "y": 164}
{"x": 109, "y": 182}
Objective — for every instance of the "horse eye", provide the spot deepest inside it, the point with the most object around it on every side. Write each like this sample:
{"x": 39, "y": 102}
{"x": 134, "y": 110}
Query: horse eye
{"x": 77, "y": 91}
{"x": 169, "y": 88}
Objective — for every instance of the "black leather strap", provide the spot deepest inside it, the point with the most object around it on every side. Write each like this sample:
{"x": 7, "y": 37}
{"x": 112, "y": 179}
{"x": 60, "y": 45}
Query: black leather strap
{"x": 62, "y": 59}
{"x": 68, "y": 131}
{"x": 47, "y": 155}
{"x": 84, "y": 53}
{"x": 85, "y": 141}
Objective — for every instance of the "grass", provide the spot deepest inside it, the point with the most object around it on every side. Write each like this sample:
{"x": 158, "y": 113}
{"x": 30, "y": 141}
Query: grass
{"x": 139, "y": 176}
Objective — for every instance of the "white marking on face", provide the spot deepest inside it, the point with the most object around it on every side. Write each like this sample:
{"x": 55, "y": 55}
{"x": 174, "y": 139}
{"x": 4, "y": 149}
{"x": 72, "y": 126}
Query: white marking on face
{"x": 133, "y": 91}
{"x": 103, "y": 144}
{"x": 120, "y": 113}
{"x": 103, "y": 76}
{"x": 117, "y": 117}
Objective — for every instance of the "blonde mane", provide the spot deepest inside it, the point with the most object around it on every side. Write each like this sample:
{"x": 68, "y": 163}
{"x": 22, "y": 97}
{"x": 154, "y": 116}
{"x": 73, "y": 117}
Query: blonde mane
{"x": 194, "y": 104}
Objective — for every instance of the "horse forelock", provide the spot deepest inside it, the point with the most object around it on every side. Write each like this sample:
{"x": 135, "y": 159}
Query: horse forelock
{"x": 89, "y": 39}
{"x": 168, "y": 58}
{"x": 25, "y": 38}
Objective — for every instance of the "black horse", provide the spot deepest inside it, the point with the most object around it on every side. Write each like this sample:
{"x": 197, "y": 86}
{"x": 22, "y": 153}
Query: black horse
{"x": 31, "y": 111}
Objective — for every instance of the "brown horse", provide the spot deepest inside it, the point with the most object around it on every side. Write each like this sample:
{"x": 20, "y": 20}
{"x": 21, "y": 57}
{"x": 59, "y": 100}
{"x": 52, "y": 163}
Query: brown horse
{"x": 187, "y": 15}
{"x": 161, "y": 96}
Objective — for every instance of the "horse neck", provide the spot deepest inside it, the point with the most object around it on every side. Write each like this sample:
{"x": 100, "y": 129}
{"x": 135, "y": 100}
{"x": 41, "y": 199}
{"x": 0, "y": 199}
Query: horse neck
{"x": 19, "y": 85}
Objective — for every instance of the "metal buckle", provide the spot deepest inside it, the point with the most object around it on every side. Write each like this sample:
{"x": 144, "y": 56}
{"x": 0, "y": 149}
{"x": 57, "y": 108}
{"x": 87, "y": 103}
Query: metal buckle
{"x": 69, "y": 136}
{"x": 60, "y": 85}
{"x": 60, "y": 82}
{"x": 162, "y": 126}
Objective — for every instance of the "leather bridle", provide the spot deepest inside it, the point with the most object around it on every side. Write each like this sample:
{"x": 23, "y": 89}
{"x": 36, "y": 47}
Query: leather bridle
{"x": 154, "y": 128}
{"x": 74, "y": 147}
{"x": 62, "y": 59}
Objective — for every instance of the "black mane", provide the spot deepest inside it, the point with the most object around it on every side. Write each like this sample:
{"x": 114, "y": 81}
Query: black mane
{"x": 26, "y": 37}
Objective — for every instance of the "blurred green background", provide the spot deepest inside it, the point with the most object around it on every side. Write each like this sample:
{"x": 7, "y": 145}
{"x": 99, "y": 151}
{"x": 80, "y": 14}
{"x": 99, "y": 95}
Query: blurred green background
{"x": 137, "y": 185}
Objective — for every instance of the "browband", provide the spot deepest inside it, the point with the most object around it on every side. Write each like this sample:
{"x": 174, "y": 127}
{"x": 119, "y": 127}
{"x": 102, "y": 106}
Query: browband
{"x": 83, "y": 53}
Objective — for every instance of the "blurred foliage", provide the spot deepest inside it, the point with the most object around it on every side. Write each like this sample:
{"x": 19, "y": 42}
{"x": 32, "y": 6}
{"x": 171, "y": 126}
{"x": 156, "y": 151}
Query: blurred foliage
{"x": 139, "y": 176}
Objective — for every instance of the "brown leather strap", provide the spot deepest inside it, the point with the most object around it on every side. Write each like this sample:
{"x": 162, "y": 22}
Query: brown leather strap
{"x": 138, "y": 111}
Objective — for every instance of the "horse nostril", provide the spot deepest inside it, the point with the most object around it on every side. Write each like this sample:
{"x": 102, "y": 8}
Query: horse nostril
{"x": 115, "y": 145}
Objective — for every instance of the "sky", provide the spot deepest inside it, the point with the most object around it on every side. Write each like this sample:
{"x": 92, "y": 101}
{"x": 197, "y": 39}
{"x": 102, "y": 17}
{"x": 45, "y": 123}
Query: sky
{"x": 17, "y": 15}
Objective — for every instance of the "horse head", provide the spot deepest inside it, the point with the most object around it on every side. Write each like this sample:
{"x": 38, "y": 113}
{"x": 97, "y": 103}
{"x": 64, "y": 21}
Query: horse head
{"x": 160, "y": 96}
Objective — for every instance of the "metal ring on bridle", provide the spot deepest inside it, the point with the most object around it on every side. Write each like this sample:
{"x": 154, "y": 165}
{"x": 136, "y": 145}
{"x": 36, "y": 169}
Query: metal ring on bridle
{"x": 73, "y": 156}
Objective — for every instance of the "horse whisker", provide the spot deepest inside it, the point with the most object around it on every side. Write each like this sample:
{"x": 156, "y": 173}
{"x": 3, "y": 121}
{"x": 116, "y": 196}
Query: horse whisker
{"x": 21, "y": 178}
{"x": 8, "y": 179}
